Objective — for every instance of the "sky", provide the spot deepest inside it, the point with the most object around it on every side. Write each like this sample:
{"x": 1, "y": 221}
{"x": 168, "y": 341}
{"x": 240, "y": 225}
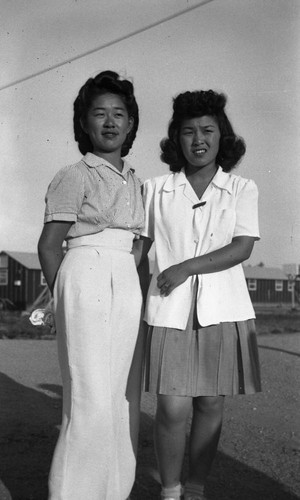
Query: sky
{"x": 248, "y": 49}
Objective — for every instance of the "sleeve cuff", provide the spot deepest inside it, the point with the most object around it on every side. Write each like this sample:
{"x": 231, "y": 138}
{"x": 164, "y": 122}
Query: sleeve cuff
{"x": 67, "y": 217}
{"x": 245, "y": 233}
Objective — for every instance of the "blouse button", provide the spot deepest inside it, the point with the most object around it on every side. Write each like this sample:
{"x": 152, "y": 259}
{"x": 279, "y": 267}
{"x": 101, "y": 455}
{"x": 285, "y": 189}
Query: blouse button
{"x": 124, "y": 182}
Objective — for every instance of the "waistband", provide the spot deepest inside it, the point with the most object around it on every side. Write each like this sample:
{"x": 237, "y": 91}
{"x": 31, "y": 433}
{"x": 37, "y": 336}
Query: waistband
{"x": 118, "y": 239}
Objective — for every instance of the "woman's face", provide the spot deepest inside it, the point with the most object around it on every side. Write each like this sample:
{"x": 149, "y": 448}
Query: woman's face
{"x": 107, "y": 123}
{"x": 199, "y": 139}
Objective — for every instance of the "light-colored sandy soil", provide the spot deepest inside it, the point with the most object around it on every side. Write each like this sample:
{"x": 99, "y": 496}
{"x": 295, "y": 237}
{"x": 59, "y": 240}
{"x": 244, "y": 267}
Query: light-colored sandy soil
{"x": 259, "y": 452}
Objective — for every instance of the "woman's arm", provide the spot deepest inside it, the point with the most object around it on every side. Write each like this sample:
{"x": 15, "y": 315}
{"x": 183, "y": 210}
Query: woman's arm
{"x": 50, "y": 249}
{"x": 140, "y": 251}
{"x": 236, "y": 252}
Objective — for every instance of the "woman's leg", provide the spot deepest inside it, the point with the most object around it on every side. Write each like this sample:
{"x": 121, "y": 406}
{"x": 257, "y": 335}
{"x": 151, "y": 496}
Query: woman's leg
{"x": 170, "y": 436}
{"x": 204, "y": 437}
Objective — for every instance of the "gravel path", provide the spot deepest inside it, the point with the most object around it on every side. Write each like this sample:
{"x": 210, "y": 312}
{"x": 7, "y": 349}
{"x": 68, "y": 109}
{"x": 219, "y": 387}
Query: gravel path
{"x": 259, "y": 453}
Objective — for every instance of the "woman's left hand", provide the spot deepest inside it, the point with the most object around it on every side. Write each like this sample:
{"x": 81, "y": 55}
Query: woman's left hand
{"x": 171, "y": 278}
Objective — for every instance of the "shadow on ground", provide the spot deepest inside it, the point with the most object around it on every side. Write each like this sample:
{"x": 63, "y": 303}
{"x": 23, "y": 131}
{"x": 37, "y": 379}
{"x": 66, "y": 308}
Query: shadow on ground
{"x": 29, "y": 421}
{"x": 28, "y": 433}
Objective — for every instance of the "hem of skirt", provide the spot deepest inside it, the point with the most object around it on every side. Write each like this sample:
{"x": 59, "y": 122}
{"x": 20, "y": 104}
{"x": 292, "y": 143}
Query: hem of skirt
{"x": 203, "y": 393}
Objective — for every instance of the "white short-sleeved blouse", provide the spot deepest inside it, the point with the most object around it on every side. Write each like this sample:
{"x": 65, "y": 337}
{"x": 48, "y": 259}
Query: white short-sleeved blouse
{"x": 182, "y": 232}
{"x": 95, "y": 195}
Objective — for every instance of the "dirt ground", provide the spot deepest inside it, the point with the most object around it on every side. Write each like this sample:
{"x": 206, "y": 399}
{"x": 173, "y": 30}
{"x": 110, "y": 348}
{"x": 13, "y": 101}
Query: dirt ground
{"x": 259, "y": 452}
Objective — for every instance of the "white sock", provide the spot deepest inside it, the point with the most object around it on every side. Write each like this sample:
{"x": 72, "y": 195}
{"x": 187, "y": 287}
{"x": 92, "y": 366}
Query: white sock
{"x": 174, "y": 492}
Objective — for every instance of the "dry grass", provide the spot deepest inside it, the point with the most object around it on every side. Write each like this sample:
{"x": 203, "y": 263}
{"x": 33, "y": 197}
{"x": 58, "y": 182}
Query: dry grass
{"x": 16, "y": 324}
{"x": 278, "y": 322}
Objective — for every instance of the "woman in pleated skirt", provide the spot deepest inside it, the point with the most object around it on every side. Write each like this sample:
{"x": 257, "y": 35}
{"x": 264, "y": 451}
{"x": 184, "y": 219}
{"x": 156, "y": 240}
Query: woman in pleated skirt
{"x": 201, "y": 342}
{"x": 96, "y": 206}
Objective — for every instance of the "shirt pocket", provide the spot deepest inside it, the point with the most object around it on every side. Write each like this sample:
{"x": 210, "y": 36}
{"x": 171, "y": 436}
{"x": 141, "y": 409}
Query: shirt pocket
{"x": 223, "y": 226}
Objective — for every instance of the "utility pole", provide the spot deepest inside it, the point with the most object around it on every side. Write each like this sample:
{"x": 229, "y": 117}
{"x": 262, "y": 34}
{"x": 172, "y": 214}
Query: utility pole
{"x": 293, "y": 278}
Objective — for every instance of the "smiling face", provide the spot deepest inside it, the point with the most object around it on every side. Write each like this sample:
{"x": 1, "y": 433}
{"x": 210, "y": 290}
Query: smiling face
{"x": 199, "y": 139}
{"x": 107, "y": 123}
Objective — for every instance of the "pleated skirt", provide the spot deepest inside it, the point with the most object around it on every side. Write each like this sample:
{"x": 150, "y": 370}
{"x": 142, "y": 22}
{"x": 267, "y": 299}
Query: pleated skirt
{"x": 214, "y": 360}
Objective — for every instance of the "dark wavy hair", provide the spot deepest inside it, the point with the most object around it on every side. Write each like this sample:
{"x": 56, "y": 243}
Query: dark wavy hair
{"x": 106, "y": 81}
{"x": 196, "y": 104}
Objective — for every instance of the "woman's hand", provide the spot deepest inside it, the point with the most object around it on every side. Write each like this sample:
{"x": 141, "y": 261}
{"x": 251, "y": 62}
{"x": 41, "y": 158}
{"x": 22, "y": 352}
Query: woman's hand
{"x": 232, "y": 254}
{"x": 171, "y": 278}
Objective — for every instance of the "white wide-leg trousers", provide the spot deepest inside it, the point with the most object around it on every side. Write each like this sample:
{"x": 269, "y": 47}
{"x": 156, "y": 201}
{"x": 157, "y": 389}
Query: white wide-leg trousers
{"x": 98, "y": 306}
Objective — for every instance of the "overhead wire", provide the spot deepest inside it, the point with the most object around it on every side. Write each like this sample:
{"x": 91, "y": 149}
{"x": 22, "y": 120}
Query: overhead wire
{"x": 105, "y": 45}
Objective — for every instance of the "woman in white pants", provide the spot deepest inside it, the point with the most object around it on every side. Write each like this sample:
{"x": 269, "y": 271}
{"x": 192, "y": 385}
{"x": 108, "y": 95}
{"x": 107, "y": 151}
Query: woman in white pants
{"x": 96, "y": 206}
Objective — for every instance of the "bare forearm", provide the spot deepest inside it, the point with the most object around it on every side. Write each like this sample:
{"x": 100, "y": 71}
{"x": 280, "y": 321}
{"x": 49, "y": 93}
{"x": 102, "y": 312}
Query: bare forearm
{"x": 50, "y": 249}
{"x": 236, "y": 252}
{"x": 50, "y": 260}
{"x": 219, "y": 260}
{"x": 140, "y": 249}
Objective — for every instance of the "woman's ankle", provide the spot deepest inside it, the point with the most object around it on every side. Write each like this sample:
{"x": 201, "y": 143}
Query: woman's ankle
{"x": 191, "y": 488}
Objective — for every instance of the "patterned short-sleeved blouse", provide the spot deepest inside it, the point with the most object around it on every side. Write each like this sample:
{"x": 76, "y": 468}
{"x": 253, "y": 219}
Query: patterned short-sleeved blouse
{"x": 95, "y": 195}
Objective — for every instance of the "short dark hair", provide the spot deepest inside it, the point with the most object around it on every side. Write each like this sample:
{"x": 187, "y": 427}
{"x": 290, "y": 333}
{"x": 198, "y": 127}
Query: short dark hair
{"x": 104, "y": 82}
{"x": 195, "y": 104}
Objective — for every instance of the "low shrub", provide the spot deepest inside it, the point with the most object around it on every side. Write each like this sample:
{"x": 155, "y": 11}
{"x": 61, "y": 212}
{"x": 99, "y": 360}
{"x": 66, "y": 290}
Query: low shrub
{"x": 16, "y": 325}
{"x": 277, "y": 324}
